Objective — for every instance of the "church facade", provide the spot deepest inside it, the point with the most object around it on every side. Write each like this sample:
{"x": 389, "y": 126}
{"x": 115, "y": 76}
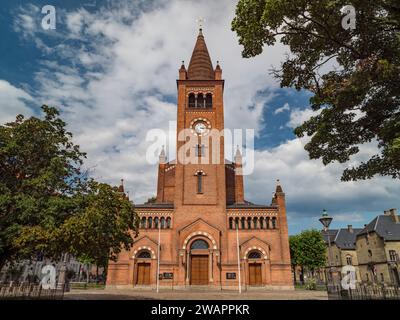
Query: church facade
{"x": 209, "y": 234}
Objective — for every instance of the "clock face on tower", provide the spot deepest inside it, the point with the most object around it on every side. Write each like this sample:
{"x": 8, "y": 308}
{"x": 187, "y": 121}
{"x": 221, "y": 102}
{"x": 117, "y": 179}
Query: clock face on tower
{"x": 200, "y": 128}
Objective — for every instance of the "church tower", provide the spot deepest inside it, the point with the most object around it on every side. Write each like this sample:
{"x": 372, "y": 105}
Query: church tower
{"x": 200, "y": 213}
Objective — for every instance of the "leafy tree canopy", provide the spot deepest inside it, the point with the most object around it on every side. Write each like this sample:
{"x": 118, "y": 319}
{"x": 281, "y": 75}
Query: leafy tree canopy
{"x": 354, "y": 74}
{"x": 48, "y": 204}
{"x": 308, "y": 250}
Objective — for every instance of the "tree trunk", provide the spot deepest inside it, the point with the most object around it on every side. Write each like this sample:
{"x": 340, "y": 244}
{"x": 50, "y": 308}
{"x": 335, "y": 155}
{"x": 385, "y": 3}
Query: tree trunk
{"x": 294, "y": 275}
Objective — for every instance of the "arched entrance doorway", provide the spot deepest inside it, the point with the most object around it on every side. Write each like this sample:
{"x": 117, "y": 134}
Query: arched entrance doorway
{"x": 143, "y": 268}
{"x": 199, "y": 262}
{"x": 255, "y": 268}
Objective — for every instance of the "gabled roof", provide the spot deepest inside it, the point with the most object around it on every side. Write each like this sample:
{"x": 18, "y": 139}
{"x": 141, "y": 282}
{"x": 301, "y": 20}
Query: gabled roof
{"x": 385, "y": 227}
{"x": 342, "y": 238}
{"x": 200, "y": 66}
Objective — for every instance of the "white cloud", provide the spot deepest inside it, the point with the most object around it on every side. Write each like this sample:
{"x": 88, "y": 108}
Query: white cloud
{"x": 12, "y": 102}
{"x": 285, "y": 107}
{"x": 120, "y": 82}
{"x": 298, "y": 116}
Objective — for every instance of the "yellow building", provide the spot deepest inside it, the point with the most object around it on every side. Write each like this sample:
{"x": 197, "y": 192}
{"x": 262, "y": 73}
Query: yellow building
{"x": 378, "y": 249}
{"x": 343, "y": 252}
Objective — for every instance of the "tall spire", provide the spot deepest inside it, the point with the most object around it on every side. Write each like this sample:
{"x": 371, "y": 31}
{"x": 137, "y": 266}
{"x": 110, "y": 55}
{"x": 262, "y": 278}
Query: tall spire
{"x": 200, "y": 66}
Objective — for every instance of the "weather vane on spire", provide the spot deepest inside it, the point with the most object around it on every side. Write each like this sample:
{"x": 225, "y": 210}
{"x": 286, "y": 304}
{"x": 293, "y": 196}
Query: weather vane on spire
{"x": 200, "y": 21}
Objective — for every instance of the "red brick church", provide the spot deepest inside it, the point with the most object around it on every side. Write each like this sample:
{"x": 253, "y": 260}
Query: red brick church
{"x": 199, "y": 206}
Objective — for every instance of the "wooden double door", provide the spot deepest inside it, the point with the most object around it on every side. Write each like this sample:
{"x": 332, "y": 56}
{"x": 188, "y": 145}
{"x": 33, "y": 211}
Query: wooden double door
{"x": 143, "y": 274}
{"x": 199, "y": 270}
{"x": 255, "y": 278}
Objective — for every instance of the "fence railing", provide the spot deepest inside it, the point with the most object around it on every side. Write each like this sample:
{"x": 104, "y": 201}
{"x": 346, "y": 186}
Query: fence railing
{"x": 21, "y": 291}
{"x": 364, "y": 292}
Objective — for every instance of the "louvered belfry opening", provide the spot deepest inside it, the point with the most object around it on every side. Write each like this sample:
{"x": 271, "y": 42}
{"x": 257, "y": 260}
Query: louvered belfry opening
{"x": 200, "y": 66}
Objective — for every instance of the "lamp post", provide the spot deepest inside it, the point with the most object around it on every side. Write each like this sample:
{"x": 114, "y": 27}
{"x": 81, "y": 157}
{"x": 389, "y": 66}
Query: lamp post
{"x": 326, "y": 221}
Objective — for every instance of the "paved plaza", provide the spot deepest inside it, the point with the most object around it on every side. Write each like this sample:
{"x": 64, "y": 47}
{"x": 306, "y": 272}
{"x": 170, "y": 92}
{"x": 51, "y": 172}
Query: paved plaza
{"x": 131, "y": 294}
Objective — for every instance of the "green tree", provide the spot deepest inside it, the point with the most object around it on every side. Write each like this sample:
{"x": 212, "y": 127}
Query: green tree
{"x": 48, "y": 204}
{"x": 354, "y": 74}
{"x": 308, "y": 250}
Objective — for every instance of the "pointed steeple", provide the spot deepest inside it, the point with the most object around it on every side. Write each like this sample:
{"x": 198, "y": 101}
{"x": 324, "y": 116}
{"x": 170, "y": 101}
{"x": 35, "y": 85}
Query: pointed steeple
{"x": 238, "y": 156}
{"x": 162, "y": 157}
{"x": 121, "y": 187}
{"x": 278, "y": 187}
{"x": 200, "y": 66}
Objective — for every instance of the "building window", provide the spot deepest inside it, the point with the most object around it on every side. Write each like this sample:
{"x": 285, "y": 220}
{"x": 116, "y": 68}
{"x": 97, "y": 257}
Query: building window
{"x": 201, "y": 102}
{"x": 200, "y": 150}
{"x": 273, "y": 223}
{"x": 144, "y": 255}
{"x": 192, "y": 100}
{"x": 199, "y": 244}
{"x": 349, "y": 260}
{"x": 267, "y": 222}
{"x": 156, "y": 222}
{"x": 249, "y": 223}
{"x": 200, "y": 182}
{"x": 261, "y": 223}
{"x": 168, "y": 222}
{"x": 243, "y": 222}
{"x": 367, "y": 277}
{"x": 149, "y": 223}
{"x": 231, "y": 223}
{"x": 382, "y": 278}
{"x": 370, "y": 253}
{"x": 237, "y": 223}
{"x": 392, "y": 255}
{"x": 143, "y": 223}
{"x": 209, "y": 100}
{"x": 255, "y": 222}
{"x": 162, "y": 222}
{"x": 254, "y": 255}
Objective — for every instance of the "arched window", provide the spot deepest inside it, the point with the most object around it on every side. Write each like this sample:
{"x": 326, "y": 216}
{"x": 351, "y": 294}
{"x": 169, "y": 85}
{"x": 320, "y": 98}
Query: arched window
{"x": 162, "y": 222}
{"x": 230, "y": 223}
{"x": 209, "y": 100}
{"x": 199, "y": 244}
{"x": 254, "y": 255}
{"x": 201, "y": 102}
{"x": 243, "y": 222}
{"x": 144, "y": 254}
{"x": 248, "y": 223}
{"x": 156, "y": 222}
{"x": 349, "y": 260}
{"x": 168, "y": 222}
{"x": 143, "y": 222}
{"x": 273, "y": 223}
{"x": 261, "y": 223}
{"x": 267, "y": 222}
{"x": 255, "y": 222}
{"x": 236, "y": 222}
{"x": 192, "y": 100}
{"x": 150, "y": 223}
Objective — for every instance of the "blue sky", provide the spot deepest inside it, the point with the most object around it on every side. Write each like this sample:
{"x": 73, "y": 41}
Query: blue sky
{"x": 111, "y": 66}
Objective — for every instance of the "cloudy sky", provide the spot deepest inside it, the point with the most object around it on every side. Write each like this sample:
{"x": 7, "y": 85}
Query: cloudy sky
{"x": 111, "y": 68}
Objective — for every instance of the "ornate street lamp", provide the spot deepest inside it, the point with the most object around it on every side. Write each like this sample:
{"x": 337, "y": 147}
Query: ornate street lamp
{"x": 326, "y": 221}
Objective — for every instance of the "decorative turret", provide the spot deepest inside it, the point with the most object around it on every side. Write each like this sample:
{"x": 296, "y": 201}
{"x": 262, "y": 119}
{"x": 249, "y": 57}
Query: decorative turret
{"x": 121, "y": 187}
{"x": 218, "y": 72}
{"x": 278, "y": 187}
{"x": 162, "y": 157}
{"x": 239, "y": 188}
{"x": 182, "y": 72}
